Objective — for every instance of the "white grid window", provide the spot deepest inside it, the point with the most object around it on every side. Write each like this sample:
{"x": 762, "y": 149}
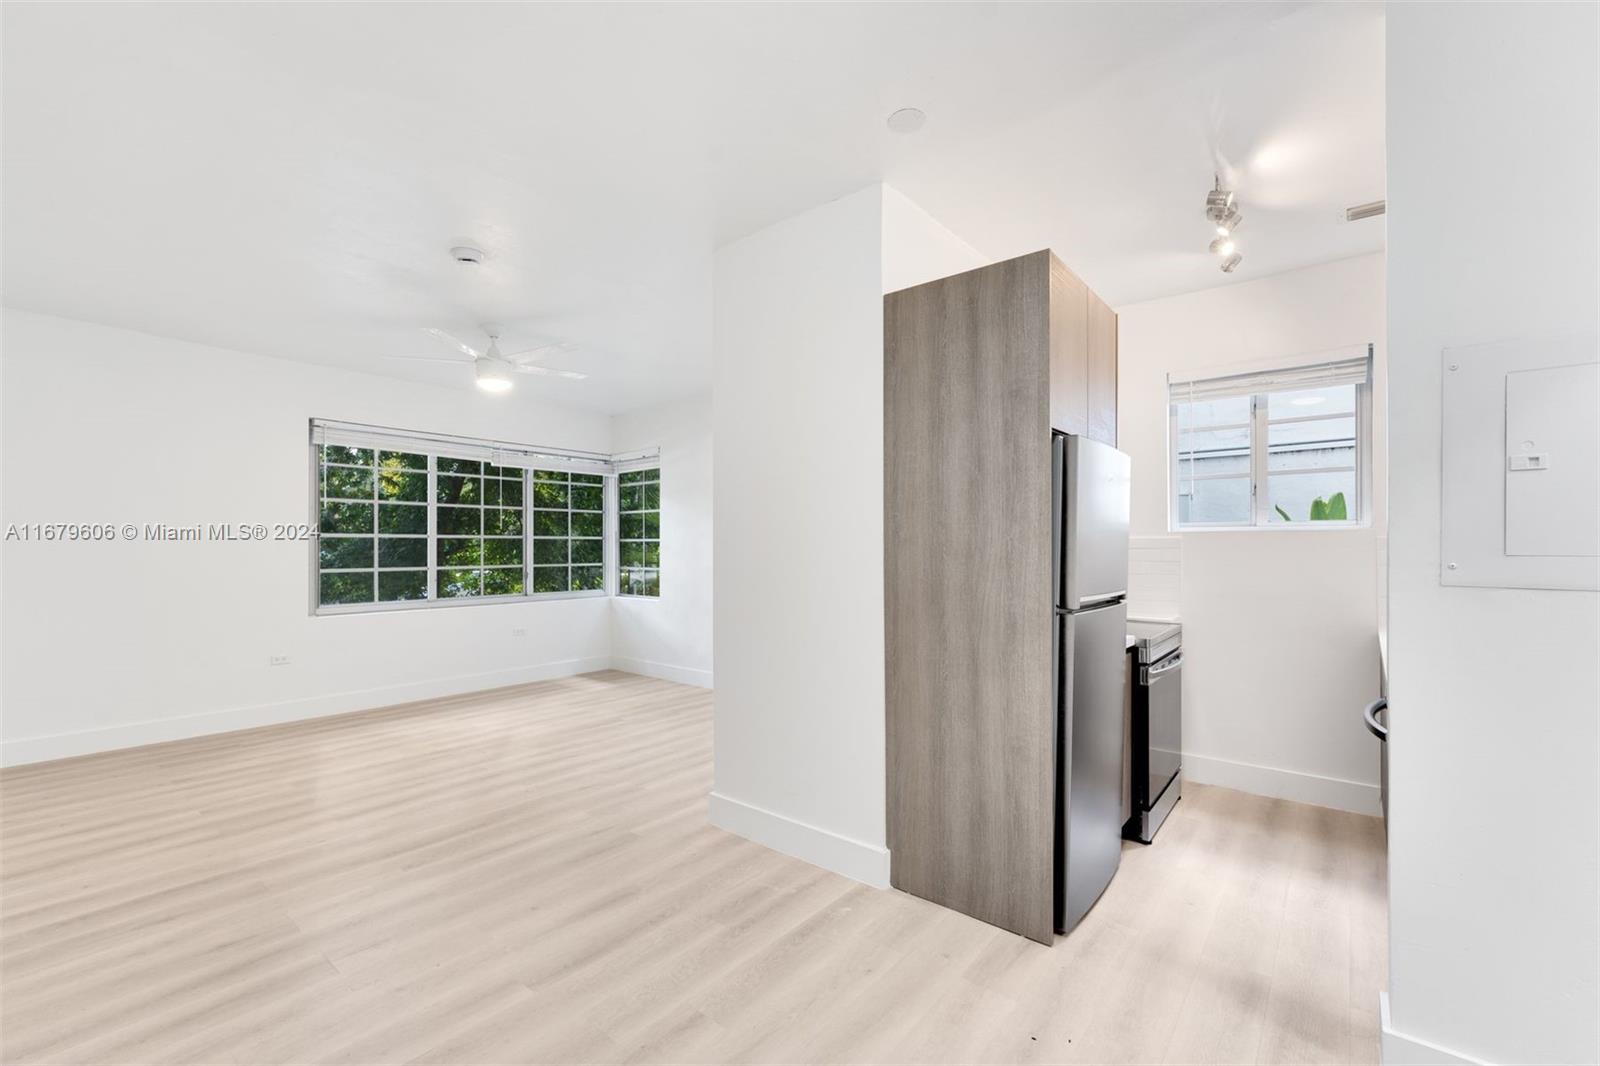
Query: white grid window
{"x": 639, "y": 532}
{"x": 1285, "y": 447}
{"x": 478, "y": 526}
{"x": 568, "y": 531}
{"x": 407, "y": 521}
{"x": 373, "y": 544}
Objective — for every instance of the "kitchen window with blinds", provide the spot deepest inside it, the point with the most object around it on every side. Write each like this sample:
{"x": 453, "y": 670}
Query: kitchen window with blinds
{"x": 411, "y": 520}
{"x": 1283, "y": 446}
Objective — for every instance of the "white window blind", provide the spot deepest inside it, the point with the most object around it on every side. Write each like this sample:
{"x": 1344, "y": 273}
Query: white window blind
{"x": 1352, "y": 366}
{"x": 500, "y": 453}
{"x": 1277, "y": 444}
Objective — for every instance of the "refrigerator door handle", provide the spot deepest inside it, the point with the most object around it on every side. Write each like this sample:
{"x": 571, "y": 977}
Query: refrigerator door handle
{"x": 1375, "y": 725}
{"x": 1105, "y": 597}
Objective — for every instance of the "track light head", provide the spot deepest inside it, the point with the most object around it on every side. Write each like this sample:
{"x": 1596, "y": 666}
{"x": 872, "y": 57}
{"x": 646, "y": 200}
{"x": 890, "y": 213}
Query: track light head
{"x": 1222, "y": 246}
{"x": 1219, "y": 202}
{"x": 1230, "y": 264}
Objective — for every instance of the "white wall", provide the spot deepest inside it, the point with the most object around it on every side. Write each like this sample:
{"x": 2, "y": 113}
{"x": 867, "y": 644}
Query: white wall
{"x": 1280, "y": 626}
{"x": 1494, "y": 693}
{"x": 917, "y": 247}
{"x": 670, "y": 636}
{"x": 112, "y": 644}
{"x": 798, "y": 523}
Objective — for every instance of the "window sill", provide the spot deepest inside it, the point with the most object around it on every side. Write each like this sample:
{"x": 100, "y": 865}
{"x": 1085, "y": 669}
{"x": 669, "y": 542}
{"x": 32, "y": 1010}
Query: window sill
{"x": 1286, "y": 527}
{"x": 462, "y": 601}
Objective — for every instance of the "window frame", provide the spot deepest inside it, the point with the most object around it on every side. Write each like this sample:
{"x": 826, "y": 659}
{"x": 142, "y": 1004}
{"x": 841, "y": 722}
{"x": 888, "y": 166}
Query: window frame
{"x": 1260, "y": 447}
{"x": 432, "y": 600}
{"x": 617, "y": 538}
{"x": 531, "y": 534}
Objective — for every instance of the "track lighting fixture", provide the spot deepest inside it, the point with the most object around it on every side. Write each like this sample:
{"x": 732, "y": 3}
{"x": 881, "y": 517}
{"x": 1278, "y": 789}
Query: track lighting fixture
{"x": 1224, "y": 215}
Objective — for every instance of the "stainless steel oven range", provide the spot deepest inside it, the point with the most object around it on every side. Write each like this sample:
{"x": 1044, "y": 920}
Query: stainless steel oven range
{"x": 1156, "y": 732}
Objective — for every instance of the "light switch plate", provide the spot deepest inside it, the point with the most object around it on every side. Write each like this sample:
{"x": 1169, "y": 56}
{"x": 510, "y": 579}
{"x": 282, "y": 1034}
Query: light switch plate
{"x": 1520, "y": 461}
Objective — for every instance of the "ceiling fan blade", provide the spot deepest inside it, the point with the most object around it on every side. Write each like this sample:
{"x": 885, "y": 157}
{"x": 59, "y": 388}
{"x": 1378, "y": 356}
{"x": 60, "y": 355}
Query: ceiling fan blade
{"x": 452, "y": 342}
{"x": 554, "y": 347}
{"x": 548, "y": 372}
{"x": 429, "y": 359}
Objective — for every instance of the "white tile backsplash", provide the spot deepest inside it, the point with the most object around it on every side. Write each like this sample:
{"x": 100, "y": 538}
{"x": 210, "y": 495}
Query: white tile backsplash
{"x": 1155, "y": 576}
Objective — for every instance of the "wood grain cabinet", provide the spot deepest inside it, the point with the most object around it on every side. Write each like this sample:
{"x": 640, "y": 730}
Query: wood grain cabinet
{"x": 978, "y": 368}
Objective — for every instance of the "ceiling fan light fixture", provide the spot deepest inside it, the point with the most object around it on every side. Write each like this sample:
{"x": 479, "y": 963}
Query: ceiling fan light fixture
{"x": 494, "y": 375}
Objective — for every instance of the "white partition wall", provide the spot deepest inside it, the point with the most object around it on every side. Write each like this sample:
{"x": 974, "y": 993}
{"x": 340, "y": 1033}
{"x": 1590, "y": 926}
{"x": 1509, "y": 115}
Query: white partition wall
{"x": 798, "y": 522}
{"x": 1494, "y": 696}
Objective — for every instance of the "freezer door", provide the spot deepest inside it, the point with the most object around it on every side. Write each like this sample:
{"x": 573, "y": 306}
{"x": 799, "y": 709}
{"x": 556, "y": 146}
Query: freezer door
{"x": 1089, "y": 757}
{"x": 1094, "y": 522}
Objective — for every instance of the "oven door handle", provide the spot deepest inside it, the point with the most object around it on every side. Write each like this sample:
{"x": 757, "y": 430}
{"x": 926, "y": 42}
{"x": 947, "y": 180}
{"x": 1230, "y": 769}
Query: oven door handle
{"x": 1172, "y": 662}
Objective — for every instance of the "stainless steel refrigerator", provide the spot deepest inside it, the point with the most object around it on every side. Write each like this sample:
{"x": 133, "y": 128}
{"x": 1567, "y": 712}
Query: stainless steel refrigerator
{"x": 1091, "y": 585}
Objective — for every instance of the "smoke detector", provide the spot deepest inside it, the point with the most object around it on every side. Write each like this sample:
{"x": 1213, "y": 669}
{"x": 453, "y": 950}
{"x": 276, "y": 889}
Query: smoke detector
{"x": 465, "y": 253}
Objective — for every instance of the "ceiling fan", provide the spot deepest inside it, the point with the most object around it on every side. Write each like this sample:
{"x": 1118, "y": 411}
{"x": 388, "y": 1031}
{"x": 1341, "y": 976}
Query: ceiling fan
{"x": 491, "y": 367}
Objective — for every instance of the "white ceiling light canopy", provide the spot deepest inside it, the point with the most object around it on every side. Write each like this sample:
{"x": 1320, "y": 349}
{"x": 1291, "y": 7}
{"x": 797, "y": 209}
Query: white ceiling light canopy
{"x": 491, "y": 368}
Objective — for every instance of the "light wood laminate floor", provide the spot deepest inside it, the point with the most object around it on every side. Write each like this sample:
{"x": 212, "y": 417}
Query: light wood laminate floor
{"x": 527, "y": 876}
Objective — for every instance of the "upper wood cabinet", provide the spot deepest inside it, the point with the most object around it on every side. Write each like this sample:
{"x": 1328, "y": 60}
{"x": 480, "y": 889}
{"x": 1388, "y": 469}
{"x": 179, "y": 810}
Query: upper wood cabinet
{"x": 1102, "y": 372}
{"x": 1083, "y": 357}
{"x": 978, "y": 367}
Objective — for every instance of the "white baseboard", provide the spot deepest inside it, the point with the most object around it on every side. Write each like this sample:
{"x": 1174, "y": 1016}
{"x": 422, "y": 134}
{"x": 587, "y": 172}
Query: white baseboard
{"x": 1314, "y": 789}
{"x": 684, "y": 675}
{"x": 1397, "y": 1049}
{"x": 159, "y": 730}
{"x": 855, "y": 859}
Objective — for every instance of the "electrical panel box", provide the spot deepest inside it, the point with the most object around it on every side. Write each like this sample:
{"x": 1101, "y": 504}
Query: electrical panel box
{"x": 1521, "y": 465}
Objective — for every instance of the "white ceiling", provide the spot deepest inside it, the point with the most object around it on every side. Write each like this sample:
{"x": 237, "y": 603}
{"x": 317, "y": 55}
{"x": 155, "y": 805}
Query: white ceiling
{"x": 286, "y": 179}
